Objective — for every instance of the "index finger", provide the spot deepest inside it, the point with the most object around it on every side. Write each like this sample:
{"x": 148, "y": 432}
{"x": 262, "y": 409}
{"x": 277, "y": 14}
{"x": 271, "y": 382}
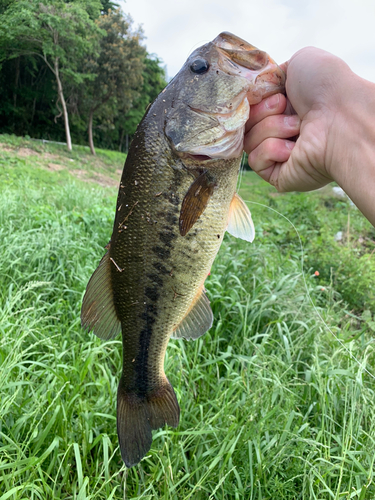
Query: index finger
{"x": 273, "y": 105}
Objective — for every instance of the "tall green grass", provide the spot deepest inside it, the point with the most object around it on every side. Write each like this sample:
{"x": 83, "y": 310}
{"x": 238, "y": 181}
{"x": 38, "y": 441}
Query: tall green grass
{"x": 276, "y": 399}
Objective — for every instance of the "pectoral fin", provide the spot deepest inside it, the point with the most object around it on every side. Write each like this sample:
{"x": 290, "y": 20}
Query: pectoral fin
{"x": 195, "y": 202}
{"x": 240, "y": 223}
{"x": 98, "y": 311}
{"x": 197, "y": 321}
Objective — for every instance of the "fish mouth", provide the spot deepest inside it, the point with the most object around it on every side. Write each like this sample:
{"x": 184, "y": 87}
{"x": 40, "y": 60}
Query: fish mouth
{"x": 240, "y": 58}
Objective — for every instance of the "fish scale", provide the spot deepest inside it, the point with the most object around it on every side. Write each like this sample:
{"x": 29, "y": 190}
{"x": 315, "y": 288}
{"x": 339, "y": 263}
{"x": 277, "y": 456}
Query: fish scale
{"x": 177, "y": 197}
{"x": 188, "y": 259}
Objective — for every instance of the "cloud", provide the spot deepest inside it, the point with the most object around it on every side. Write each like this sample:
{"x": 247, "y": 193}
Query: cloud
{"x": 280, "y": 27}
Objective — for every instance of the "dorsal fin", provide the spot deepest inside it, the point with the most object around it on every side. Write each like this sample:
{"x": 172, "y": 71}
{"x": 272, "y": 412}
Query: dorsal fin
{"x": 98, "y": 312}
{"x": 197, "y": 320}
{"x": 240, "y": 223}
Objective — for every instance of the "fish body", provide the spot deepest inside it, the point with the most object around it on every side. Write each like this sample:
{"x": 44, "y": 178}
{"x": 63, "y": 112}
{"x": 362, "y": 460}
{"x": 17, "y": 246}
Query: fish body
{"x": 177, "y": 197}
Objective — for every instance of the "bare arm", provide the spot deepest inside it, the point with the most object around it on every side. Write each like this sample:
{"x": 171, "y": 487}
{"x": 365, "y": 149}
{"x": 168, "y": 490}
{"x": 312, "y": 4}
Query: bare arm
{"x": 333, "y": 111}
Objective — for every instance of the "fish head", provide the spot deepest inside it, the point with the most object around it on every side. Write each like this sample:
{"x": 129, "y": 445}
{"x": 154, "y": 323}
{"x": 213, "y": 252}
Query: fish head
{"x": 212, "y": 95}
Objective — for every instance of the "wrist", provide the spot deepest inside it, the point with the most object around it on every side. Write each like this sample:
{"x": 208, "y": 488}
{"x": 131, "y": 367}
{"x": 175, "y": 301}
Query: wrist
{"x": 350, "y": 152}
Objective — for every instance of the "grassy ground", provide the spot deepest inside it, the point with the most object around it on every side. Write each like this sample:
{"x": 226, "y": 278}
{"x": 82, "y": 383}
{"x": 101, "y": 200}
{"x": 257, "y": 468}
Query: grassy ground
{"x": 276, "y": 399}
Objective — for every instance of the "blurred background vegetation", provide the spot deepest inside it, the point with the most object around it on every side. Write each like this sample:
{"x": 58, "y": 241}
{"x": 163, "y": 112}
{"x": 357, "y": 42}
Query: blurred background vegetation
{"x": 70, "y": 66}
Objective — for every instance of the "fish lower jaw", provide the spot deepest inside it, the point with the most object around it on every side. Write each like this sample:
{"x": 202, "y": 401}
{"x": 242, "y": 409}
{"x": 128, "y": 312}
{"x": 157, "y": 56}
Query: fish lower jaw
{"x": 198, "y": 158}
{"x": 229, "y": 146}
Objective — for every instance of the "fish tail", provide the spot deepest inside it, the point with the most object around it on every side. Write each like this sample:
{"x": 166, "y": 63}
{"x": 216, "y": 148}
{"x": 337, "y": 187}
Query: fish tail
{"x": 138, "y": 415}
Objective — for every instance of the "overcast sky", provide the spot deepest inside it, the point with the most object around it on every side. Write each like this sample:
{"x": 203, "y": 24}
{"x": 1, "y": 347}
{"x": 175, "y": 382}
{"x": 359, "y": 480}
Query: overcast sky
{"x": 174, "y": 28}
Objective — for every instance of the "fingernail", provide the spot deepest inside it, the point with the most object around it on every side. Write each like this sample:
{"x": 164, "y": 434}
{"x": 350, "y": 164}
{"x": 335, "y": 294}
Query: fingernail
{"x": 290, "y": 144}
{"x": 292, "y": 120}
{"x": 273, "y": 101}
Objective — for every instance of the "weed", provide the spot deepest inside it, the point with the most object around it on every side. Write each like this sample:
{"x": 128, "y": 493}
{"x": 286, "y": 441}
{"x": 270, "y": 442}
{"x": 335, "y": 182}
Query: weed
{"x": 273, "y": 406}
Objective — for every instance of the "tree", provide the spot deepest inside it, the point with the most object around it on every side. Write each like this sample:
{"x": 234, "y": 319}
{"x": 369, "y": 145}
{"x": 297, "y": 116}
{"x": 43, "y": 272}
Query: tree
{"x": 60, "y": 33}
{"x": 28, "y": 95}
{"x": 153, "y": 83}
{"x": 107, "y": 5}
{"x": 4, "y": 4}
{"x": 117, "y": 70}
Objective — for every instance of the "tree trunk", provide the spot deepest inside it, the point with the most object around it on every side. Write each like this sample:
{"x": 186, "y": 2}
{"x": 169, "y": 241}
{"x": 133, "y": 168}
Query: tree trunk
{"x": 91, "y": 141}
{"x": 15, "y": 92}
{"x": 16, "y": 82}
{"x": 33, "y": 112}
{"x": 63, "y": 104}
{"x": 121, "y": 139}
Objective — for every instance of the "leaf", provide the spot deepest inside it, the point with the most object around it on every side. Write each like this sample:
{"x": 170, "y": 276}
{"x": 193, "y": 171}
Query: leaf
{"x": 366, "y": 315}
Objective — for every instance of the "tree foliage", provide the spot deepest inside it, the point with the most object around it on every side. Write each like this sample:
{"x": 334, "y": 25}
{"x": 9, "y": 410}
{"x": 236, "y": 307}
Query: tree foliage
{"x": 80, "y": 53}
{"x": 153, "y": 83}
{"x": 27, "y": 104}
{"x": 116, "y": 134}
{"x": 59, "y": 33}
{"x": 108, "y": 5}
{"x": 117, "y": 72}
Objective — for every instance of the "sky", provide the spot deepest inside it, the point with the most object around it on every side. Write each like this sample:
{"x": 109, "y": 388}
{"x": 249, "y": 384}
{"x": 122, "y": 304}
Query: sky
{"x": 174, "y": 28}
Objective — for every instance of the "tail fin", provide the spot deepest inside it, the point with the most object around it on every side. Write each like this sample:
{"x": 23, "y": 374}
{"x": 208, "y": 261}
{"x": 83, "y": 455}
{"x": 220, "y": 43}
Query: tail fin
{"x": 137, "y": 416}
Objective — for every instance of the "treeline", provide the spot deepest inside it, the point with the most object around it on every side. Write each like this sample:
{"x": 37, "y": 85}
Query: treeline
{"x": 74, "y": 71}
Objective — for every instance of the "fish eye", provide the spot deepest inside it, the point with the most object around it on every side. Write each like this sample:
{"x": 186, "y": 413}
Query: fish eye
{"x": 199, "y": 66}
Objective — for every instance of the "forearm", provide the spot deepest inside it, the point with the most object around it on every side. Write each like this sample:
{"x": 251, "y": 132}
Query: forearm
{"x": 350, "y": 155}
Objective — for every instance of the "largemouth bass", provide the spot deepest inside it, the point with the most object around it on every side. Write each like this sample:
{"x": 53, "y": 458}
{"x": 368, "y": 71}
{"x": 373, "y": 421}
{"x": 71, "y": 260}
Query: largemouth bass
{"x": 177, "y": 197}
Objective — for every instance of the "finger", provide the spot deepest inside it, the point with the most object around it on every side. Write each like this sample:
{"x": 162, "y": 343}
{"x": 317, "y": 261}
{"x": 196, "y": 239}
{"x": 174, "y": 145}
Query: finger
{"x": 284, "y": 66}
{"x": 289, "y": 110}
{"x": 273, "y": 105}
{"x": 267, "y": 154}
{"x": 277, "y": 126}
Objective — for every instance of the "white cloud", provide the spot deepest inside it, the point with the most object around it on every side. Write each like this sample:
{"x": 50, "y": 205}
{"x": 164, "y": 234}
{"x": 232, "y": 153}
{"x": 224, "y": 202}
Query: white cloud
{"x": 280, "y": 27}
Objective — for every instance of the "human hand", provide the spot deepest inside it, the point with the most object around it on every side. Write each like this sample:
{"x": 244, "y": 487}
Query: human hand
{"x": 316, "y": 88}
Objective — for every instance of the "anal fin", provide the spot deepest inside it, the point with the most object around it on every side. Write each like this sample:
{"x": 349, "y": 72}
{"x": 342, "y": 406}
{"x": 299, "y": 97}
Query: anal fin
{"x": 197, "y": 320}
{"x": 240, "y": 223}
{"x": 98, "y": 312}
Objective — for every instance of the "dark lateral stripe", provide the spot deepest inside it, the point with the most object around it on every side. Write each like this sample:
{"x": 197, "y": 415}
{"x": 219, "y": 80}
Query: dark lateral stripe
{"x": 172, "y": 219}
{"x": 162, "y": 269}
{"x": 141, "y": 362}
{"x": 152, "y": 293}
{"x": 167, "y": 237}
{"x": 156, "y": 279}
{"x": 162, "y": 252}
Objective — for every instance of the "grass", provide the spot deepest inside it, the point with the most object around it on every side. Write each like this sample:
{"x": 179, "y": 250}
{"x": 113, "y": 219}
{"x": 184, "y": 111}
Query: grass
{"x": 276, "y": 399}
{"x": 51, "y": 163}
